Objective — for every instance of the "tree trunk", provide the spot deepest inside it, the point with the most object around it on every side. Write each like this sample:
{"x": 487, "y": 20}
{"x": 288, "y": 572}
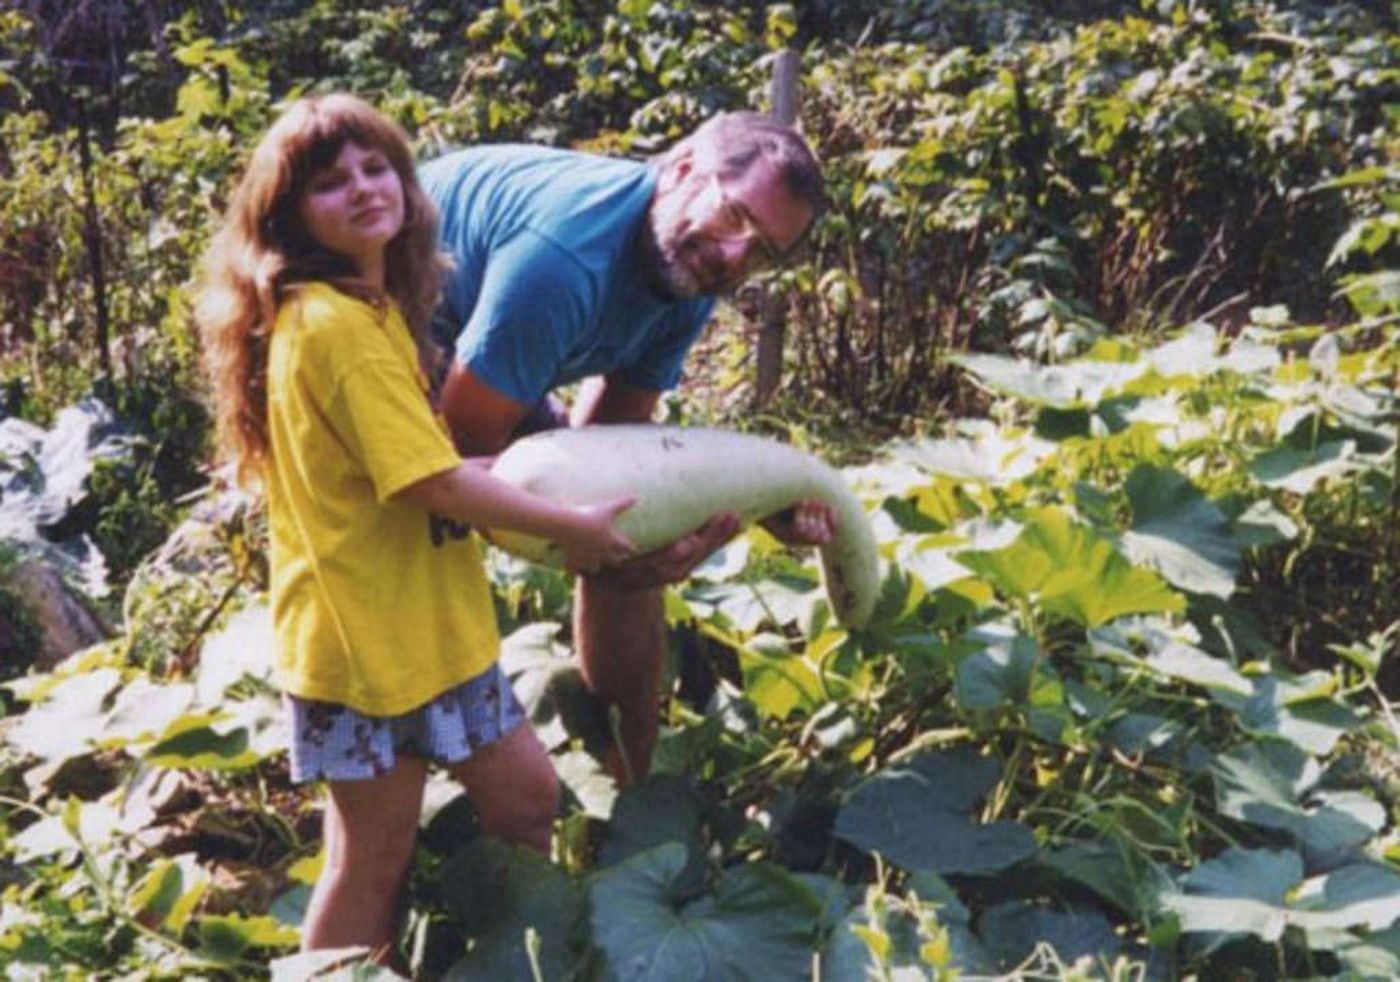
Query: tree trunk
{"x": 774, "y": 328}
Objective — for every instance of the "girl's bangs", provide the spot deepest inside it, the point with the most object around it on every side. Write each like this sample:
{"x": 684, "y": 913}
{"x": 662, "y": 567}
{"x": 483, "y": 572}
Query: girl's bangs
{"x": 336, "y": 121}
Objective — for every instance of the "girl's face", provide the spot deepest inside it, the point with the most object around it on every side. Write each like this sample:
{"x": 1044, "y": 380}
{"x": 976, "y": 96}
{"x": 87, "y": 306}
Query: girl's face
{"x": 354, "y": 207}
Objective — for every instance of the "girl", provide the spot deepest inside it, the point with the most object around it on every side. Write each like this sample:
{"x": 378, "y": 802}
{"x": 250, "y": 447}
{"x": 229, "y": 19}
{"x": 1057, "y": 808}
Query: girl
{"x": 313, "y": 311}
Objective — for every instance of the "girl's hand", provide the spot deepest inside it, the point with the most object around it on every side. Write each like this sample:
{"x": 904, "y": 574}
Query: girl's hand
{"x": 594, "y": 540}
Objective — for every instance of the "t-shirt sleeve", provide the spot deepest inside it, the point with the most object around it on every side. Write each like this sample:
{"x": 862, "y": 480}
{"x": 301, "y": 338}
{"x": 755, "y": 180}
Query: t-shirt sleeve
{"x": 533, "y": 304}
{"x": 383, "y": 417}
{"x": 659, "y": 366}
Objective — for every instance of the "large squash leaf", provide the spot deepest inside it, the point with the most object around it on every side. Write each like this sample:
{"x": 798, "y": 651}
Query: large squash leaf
{"x": 1262, "y": 892}
{"x": 1180, "y": 533}
{"x": 1072, "y": 572}
{"x": 1272, "y": 784}
{"x": 499, "y": 893}
{"x": 916, "y": 815}
{"x": 760, "y": 922}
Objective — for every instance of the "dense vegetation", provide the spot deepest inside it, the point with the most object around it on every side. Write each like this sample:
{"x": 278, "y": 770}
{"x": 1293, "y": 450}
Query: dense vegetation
{"x": 1105, "y": 310}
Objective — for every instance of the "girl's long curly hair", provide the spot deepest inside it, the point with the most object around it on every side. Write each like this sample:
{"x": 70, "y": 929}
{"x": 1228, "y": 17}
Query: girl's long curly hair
{"x": 261, "y": 252}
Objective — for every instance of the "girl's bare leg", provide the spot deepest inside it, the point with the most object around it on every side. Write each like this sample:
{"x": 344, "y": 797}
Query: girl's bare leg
{"x": 513, "y": 787}
{"x": 370, "y": 828}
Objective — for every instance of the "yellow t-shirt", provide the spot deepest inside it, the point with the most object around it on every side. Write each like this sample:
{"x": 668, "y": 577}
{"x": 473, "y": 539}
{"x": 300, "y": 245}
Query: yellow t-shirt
{"x": 376, "y": 604}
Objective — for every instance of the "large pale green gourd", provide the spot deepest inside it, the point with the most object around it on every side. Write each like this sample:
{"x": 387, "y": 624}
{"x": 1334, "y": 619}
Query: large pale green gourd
{"x": 681, "y": 477}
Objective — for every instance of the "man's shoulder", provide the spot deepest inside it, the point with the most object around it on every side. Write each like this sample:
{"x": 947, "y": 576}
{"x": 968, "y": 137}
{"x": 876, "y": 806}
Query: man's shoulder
{"x": 523, "y": 162}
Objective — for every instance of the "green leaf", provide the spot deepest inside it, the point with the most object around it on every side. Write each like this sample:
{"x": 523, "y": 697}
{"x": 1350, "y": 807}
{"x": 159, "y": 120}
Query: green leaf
{"x": 1263, "y": 524}
{"x": 1178, "y": 532}
{"x": 1241, "y": 891}
{"x": 1314, "y": 724}
{"x": 499, "y": 892}
{"x": 998, "y": 675}
{"x": 1258, "y": 874}
{"x": 759, "y": 923}
{"x": 1011, "y": 930}
{"x": 1361, "y": 894}
{"x": 1376, "y": 956}
{"x": 777, "y": 681}
{"x": 170, "y": 892}
{"x": 1143, "y": 733}
{"x": 1271, "y": 784}
{"x": 1299, "y": 471}
{"x": 1120, "y": 874}
{"x": 1071, "y": 572}
{"x": 202, "y": 748}
{"x": 665, "y": 808}
{"x": 225, "y": 937}
{"x": 848, "y": 954}
{"x": 1256, "y": 891}
{"x": 1169, "y": 656}
{"x": 916, "y": 814}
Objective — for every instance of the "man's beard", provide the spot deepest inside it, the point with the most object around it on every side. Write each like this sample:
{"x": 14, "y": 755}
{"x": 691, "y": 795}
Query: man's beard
{"x": 660, "y": 254}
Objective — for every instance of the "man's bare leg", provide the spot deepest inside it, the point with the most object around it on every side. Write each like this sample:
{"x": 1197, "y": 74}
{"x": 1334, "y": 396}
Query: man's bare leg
{"x": 620, "y": 633}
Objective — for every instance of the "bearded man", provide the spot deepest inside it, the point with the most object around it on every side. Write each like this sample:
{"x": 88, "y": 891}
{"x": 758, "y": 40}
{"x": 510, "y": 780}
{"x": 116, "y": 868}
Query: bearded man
{"x": 572, "y": 267}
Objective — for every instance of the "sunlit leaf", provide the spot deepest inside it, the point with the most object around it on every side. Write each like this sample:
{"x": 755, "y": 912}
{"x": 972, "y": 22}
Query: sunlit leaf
{"x": 776, "y": 679}
{"x": 144, "y": 709}
{"x": 1170, "y": 656}
{"x": 1071, "y": 572}
{"x": 331, "y": 965}
{"x": 225, "y": 937}
{"x": 92, "y": 824}
{"x": 1260, "y": 892}
{"x": 243, "y": 647}
{"x": 1315, "y": 725}
{"x": 1241, "y": 891}
{"x": 1077, "y": 384}
{"x": 1272, "y": 784}
{"x": 1180, "y": 533}
{"x": 69, "y": 718}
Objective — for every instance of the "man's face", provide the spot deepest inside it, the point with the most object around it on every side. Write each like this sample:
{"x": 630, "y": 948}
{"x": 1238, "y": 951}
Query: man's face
{"x": 710, "y": 234}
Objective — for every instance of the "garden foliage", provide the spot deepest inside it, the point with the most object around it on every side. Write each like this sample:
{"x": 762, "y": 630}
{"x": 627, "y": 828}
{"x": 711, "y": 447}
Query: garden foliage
{"x": 1123, "y": 282}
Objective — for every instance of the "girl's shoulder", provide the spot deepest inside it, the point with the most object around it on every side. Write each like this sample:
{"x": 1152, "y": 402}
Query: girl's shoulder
{"x": 323, "y": 332}
{"x": 316, "y": 306}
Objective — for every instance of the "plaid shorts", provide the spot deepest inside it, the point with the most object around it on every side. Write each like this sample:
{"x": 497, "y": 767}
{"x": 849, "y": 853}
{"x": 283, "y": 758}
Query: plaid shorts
{"x": 337, "y": 743}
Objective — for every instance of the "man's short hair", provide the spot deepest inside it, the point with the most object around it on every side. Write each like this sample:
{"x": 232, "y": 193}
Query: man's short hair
{"x": 729, "y": 143}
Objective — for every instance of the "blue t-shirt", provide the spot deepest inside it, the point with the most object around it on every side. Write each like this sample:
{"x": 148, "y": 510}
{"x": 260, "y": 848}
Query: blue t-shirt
{"x": 547, "y": 288}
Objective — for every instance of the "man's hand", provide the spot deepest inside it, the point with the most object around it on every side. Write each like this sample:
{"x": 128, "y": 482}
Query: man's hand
{"x": 807, "y": 523}
{"x": 673, "y": 563}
